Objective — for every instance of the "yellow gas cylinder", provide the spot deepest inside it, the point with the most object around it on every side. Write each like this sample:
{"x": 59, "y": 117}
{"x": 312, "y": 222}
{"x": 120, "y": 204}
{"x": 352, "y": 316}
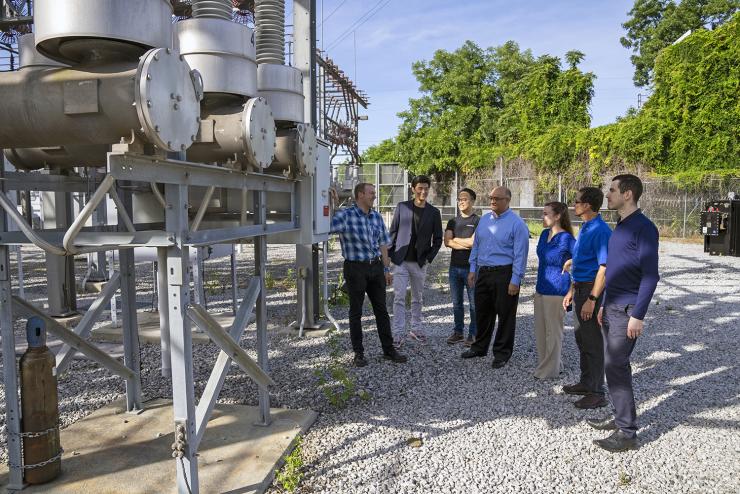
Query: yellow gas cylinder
{"x": 39, "y": 408}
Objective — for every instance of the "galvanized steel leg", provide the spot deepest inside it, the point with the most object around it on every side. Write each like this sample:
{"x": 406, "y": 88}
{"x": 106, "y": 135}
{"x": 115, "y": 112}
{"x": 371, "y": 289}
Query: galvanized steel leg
{"x": 260, "y": 267}
{"x": 10, "y": 374}
{"x": 234, "y": 288}
{"x": 178, "y": 277}
{"x": 163, "y": 307}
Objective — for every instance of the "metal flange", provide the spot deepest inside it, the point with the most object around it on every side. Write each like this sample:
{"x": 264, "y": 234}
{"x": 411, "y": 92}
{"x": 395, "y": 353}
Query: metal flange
{"x": 168, "y": 98}
{"x": 259, "y": 132}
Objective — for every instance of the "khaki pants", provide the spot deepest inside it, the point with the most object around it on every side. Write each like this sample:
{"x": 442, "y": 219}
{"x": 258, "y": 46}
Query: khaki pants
{"x": 548, "y": 324}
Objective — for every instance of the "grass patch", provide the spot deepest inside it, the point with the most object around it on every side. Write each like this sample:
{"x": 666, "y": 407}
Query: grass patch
{"x": 337, "y": 384}
{"x": 289, "y": 477}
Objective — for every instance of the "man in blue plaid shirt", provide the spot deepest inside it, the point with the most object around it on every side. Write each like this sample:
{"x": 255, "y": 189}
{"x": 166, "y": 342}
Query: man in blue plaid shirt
{"x": 365, "y": 242}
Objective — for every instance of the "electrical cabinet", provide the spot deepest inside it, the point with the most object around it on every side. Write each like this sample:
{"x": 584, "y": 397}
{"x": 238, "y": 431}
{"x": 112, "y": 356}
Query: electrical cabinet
{"x": 720, "y": 225}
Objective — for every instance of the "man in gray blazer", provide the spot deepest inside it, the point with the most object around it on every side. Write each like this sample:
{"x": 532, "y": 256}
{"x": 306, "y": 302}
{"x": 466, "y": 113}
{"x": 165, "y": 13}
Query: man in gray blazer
{"x": 416, "y": 237}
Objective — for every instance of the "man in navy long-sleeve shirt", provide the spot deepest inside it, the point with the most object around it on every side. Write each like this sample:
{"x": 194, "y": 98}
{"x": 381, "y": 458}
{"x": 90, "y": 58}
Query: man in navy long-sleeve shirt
{"x": 631, "y": 278}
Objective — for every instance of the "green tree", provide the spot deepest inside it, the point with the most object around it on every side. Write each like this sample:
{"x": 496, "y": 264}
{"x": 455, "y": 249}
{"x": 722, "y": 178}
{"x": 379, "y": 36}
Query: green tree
{"x": 656, "y": 24}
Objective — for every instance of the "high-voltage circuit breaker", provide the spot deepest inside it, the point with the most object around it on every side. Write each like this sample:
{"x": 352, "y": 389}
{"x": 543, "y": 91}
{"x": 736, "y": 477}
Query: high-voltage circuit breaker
{"x": 720, "y": 224}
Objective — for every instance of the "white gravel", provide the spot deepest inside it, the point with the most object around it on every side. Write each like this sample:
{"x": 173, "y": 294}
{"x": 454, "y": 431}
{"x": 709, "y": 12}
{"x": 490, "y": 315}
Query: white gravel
{"x": 485, "y": 430}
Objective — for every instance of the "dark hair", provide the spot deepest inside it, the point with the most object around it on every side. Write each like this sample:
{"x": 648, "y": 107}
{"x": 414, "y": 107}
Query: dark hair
{"x": 361, "y": 188}
{"x": 593, "y": 197}
{"x": 627, "y": 181}
{"x": 470, "y": 192}
{"x": 562, "y": 209}
{"x": 421, "y": 179}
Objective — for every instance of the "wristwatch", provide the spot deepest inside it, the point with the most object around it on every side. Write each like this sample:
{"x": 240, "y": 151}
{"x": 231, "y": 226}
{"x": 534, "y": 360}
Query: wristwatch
{"x": 592, "y": 298}
{"x": 387, "y": 269}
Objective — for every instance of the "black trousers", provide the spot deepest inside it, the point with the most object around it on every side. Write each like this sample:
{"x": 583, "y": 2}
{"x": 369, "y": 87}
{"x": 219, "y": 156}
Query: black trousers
{"x": 364, "y": 278}
{"x": 590, "y": 341}
{"x": 618, "y": 369}
{"x": 492, "y": 300}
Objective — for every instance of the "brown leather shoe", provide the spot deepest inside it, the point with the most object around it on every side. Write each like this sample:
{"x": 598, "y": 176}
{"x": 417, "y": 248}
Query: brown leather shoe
{"x": 592, "y": 400}
{"x": 455, "y": 338}
{"x": 469, "y": 341}
{"x": 575, "y": 389}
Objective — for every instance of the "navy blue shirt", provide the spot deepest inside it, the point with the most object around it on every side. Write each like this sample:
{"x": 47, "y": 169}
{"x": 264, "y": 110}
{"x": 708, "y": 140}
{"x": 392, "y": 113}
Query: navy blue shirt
{"x": 632, "y": 266}
{"x": 552, "y": 255}
{"x": 591, "y": 249}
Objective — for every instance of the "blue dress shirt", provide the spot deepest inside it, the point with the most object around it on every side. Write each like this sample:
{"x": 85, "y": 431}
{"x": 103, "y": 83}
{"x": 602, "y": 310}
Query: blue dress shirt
{"x": 501, "y": 240}
{"x": 591, "y": 249}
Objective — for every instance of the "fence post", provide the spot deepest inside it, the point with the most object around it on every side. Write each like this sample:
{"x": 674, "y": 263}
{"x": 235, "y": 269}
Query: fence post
{"x": 685, "y": 201}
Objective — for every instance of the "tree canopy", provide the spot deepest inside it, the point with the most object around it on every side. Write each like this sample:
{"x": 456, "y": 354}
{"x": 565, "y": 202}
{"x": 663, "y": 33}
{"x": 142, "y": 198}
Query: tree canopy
{"x": 656, "y": 24}
{"x": 480, "y": 105}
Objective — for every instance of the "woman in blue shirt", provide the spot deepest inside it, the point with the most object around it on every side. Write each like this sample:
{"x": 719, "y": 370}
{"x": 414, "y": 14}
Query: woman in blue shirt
{"x": 554, "y": 248}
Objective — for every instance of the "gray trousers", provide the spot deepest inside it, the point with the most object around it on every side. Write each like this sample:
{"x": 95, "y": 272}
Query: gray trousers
{"x": 618, "y": 368}
{"x": 590, "y": 342}
{"x": 408, "y": 273}
{"x": 548, "y": 328}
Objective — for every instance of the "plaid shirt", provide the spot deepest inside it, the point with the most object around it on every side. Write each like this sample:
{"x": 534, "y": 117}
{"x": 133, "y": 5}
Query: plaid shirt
{"x": 361, "y": 234}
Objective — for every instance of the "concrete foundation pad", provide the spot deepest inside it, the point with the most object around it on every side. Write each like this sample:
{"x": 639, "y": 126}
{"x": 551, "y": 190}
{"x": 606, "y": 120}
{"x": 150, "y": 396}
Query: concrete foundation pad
{"x": 311, "y": 332}
{"x": 111, "y": 451}
{"x": 149, "y": 329}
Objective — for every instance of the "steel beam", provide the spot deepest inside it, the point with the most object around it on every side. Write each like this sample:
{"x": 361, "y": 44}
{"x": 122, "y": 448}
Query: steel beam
{"x": 260, "y": 267}
{"x": 218, "y": 374}
{"x": 227, "y": 344}
{"x": 225, "y": 235}
{"x": 169, "y": 171}
{"x": 164, "y": 316}
{"x": 178, "y": 284}
{"x": 66, "y": 353}
{"x": 75, "y": 341}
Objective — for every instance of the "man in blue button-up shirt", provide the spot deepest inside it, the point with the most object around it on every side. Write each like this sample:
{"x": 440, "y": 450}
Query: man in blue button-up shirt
{"x": 497, "y": 262}
{"x": 365, "y": 242}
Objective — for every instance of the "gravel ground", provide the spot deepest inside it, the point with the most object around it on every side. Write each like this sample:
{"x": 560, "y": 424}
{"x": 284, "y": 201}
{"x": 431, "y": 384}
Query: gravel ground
{"x": 481, "y": 430}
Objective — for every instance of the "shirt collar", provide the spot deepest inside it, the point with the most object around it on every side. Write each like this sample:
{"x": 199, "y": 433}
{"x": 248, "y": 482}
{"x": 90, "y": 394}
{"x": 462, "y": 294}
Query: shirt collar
{"x": 496, "y": 216}
{"x": 633, "y": 214}
{"x": 359, "y": 211}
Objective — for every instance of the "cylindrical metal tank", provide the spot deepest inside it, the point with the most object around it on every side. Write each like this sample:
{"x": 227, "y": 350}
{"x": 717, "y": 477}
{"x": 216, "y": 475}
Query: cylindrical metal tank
{"x": 39, "y": 406}
{"x": 222, "y": 51}
{"x": 282, "y": 87}
{"x": 243, "y": 133}
{"x": 296, "y": 150}
{"x": 79, "y": 30}
{"x": 101, "y": 104}
{"x": 58, "y": 156}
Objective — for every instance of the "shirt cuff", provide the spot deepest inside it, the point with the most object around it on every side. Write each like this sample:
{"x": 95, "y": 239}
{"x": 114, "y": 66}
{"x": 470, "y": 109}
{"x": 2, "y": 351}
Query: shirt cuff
{"x": 472, "y": 267}
{"x": 516, "y": 280}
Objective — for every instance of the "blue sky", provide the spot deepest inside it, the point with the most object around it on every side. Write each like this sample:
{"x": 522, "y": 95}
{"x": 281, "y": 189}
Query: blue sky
{"x": 405, "y": 31}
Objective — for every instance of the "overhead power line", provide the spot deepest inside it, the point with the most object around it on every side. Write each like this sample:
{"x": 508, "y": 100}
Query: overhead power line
{"x": 359, "y": 22}
{"x": 333, "y": 12}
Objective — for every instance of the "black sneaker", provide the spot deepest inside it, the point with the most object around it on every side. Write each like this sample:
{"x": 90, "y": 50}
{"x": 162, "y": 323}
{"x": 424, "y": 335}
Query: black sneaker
{"x": 396, "y": 357}
{"x": 593, "y": 400}
{"x": 359, "y": 360}
{"x": 617, "y": 441}
{"x": 497, "y": 364}
{"x": 455, "y": 338}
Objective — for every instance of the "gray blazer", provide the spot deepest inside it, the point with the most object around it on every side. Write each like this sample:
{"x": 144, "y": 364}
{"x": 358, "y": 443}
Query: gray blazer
{"x": 428, "y": 236}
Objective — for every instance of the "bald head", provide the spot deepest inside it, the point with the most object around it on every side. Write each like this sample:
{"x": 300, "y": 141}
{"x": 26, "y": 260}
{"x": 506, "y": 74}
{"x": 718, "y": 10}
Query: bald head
{"x": 500, "y": 199}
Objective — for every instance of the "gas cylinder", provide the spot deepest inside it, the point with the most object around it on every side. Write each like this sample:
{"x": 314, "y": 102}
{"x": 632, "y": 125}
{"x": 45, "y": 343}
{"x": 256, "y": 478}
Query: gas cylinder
{"x": 39, "y": 407}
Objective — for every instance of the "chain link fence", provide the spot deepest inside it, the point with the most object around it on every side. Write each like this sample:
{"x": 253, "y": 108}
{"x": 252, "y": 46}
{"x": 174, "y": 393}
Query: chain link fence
{"x": 675, "y": 210}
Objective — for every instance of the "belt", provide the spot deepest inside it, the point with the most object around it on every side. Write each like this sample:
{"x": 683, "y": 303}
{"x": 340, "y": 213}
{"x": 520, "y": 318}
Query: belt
{"x": 583, "y": 283}
{"x": 483, "y": 269}
{"x": 368, "y": 261}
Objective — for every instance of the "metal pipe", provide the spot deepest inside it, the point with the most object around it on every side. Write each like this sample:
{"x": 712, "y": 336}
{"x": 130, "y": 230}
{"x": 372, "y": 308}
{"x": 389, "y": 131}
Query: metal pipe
{"x": 220, "y": 9}
{"x": 269, "y": 20}
{"x": 87, "y": 211}
{"x": 303, "y": 305}
{"x": 122, "y": 213}
{"x": 325, "y": 288}
{"x": 23, "y": 225}
{"x": 158, "y": 195}
{"x": 202, "y": 209}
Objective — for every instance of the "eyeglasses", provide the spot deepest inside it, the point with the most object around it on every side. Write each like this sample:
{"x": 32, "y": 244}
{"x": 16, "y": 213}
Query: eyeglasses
{"x": 494, "y": 199}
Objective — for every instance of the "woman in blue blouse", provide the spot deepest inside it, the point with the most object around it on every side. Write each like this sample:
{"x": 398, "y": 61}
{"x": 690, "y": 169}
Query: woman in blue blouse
{"x": 554, "y": 248}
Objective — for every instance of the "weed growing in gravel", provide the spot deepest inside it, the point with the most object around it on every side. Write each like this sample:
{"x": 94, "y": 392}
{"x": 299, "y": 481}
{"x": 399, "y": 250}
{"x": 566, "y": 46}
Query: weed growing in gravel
{"x": 290, "y": 476}
{"x": 336, "y": 383}
{"x": 624, "y": 479}
{"x": 339, "y": 295}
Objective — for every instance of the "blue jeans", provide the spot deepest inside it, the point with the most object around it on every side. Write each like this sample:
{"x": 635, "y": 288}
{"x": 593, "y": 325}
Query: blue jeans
{"x": 458, "y": 284}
